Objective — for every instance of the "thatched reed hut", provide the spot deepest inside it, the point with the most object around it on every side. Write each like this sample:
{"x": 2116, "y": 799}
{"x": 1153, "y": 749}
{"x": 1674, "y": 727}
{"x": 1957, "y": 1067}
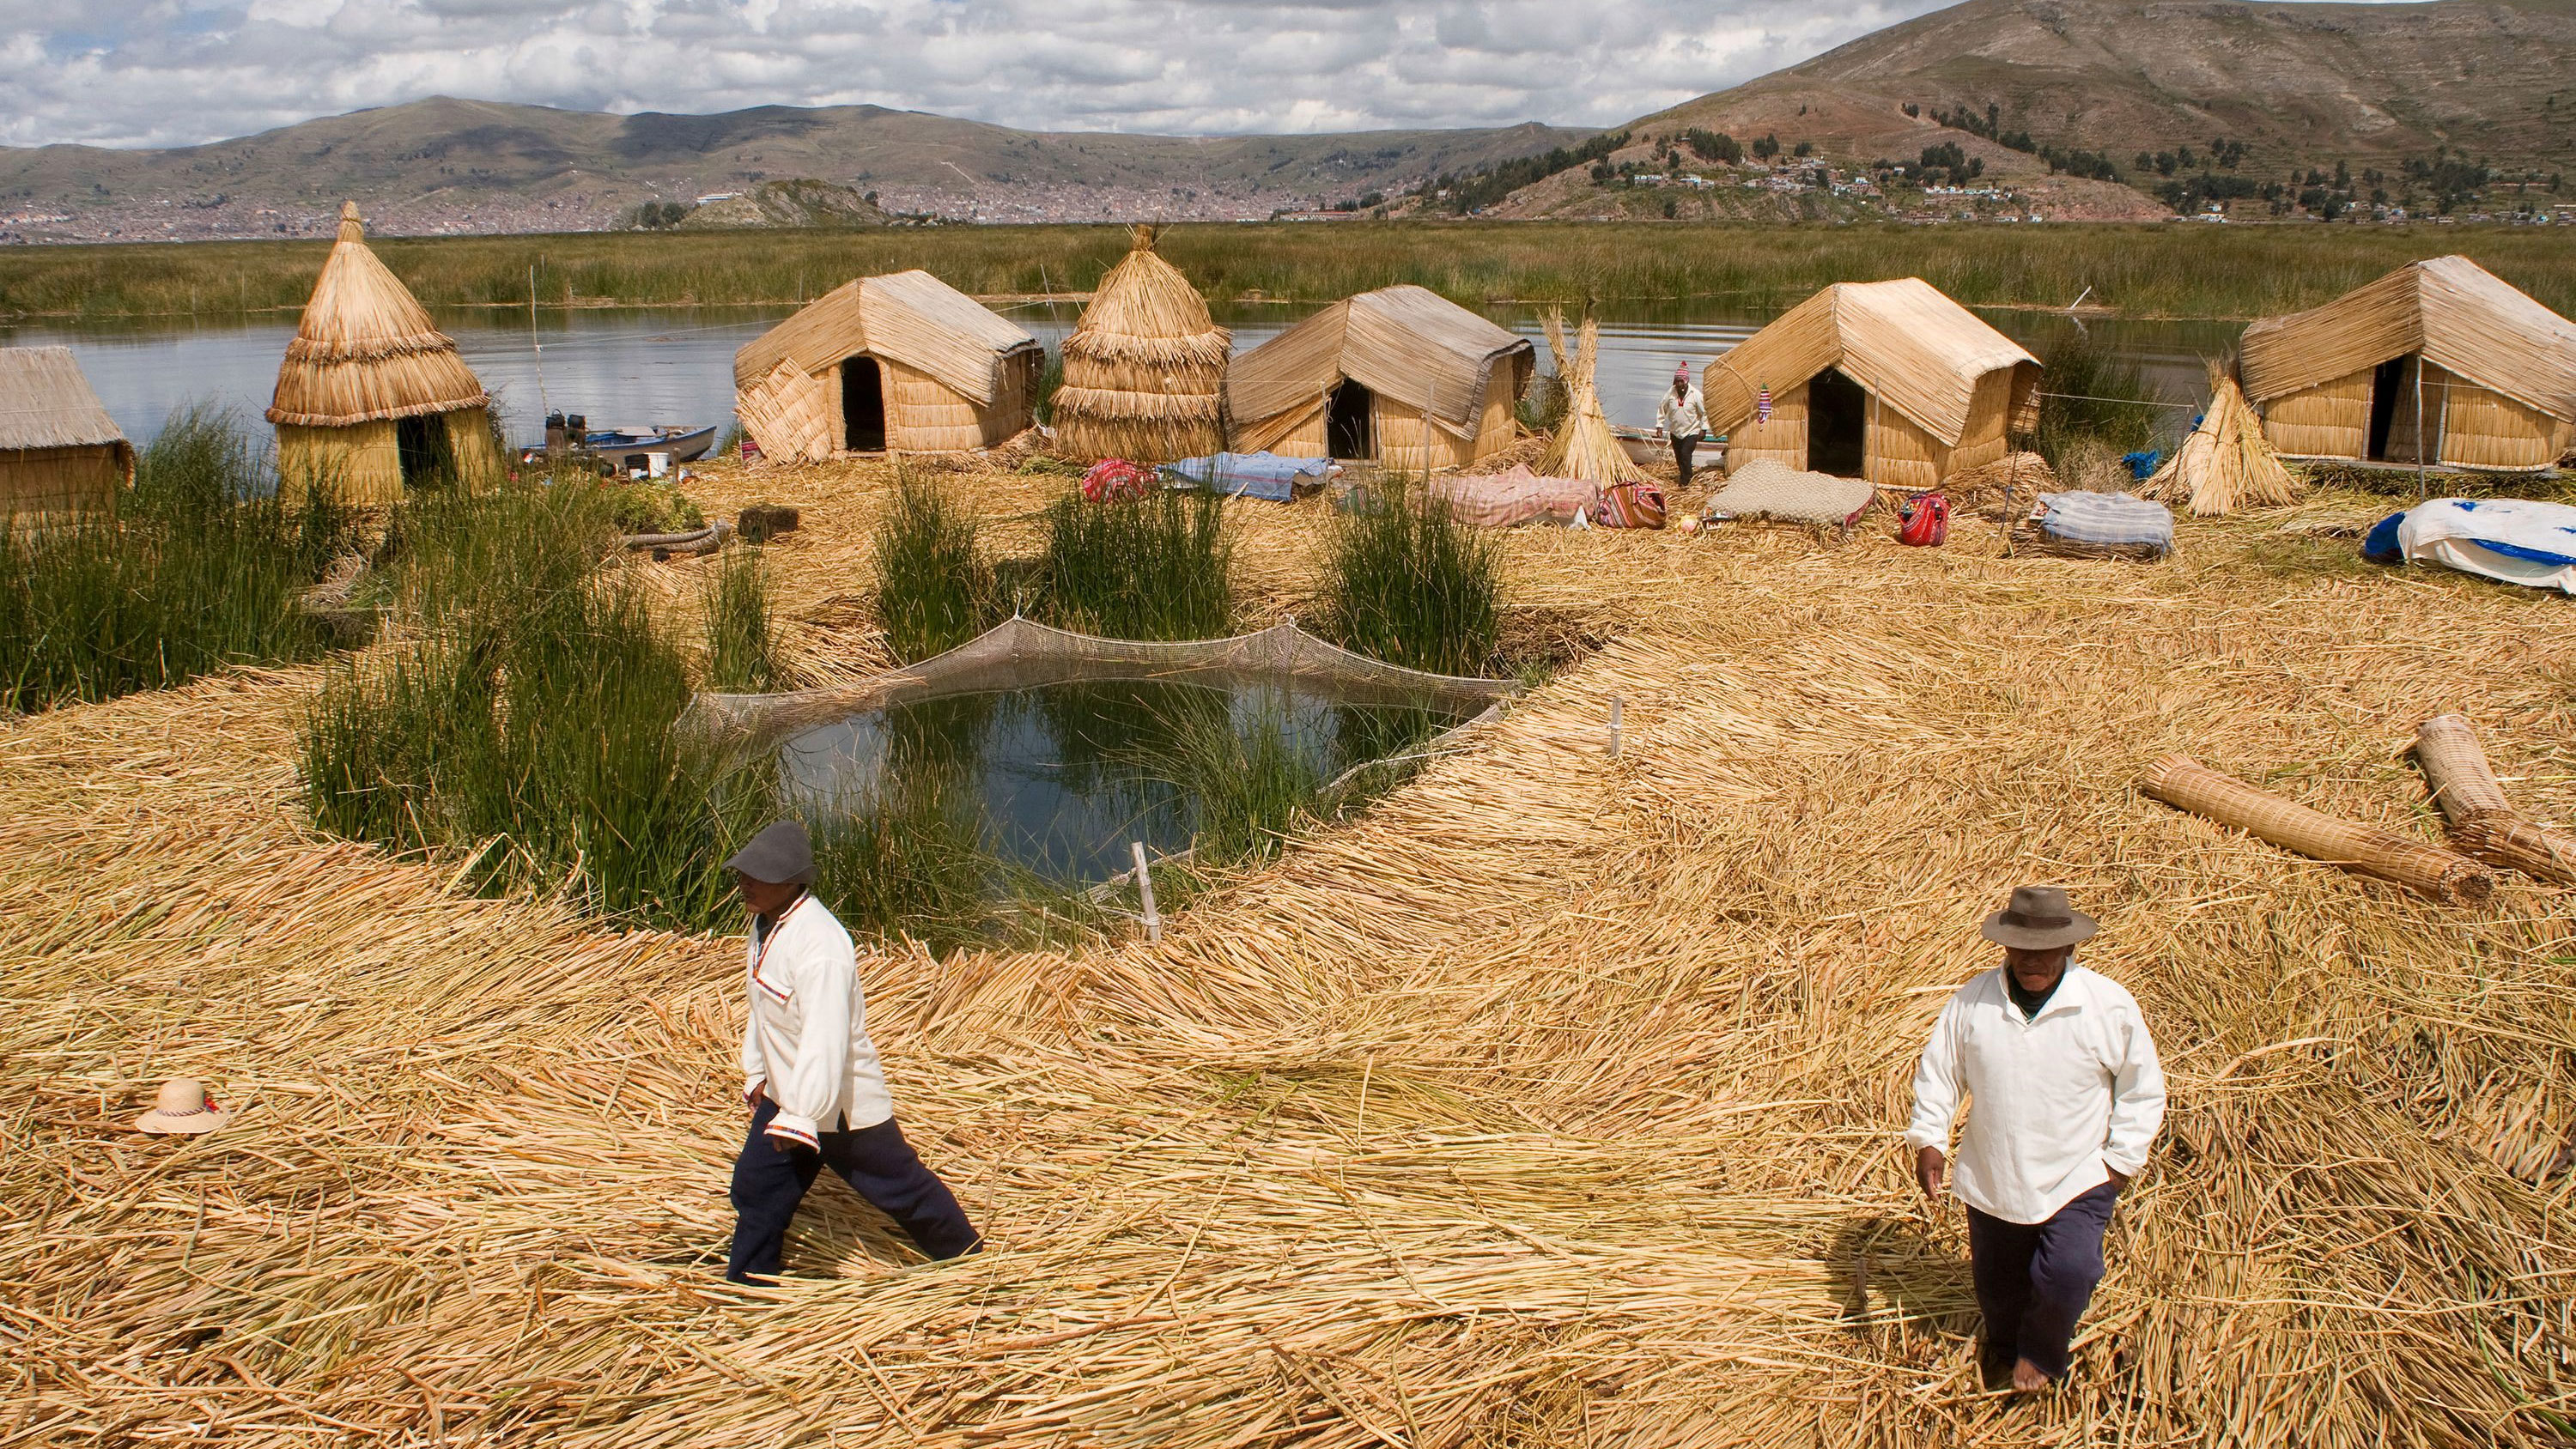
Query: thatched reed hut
{"x": 1402, "y": 375}
{"x": 58, "y": 447}
{"x": 902, "y": 363}
{"x": 1144, "y": 371}
{"x": 1888, "y": 381}
{"x": 372, "y": 396}
{"x": 2439, "y": 362}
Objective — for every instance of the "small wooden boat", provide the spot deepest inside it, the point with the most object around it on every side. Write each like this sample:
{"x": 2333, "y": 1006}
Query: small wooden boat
{"x": 684, "y": 444}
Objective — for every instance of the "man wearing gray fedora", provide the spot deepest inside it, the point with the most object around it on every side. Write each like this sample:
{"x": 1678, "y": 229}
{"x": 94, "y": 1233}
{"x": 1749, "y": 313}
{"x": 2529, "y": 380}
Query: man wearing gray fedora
{"x": 810, "y": 1074}
{"x": 2066, "y": 1098}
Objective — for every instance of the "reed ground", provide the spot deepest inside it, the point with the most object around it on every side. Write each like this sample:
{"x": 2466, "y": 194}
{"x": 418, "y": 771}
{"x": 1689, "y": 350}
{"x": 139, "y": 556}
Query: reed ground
{"x": 2167, "y": 270}
{"x": 1551, "y": 1102}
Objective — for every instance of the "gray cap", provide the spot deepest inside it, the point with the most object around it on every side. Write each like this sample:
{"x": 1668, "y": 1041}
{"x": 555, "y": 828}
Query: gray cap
{"x": 780, "y": 854}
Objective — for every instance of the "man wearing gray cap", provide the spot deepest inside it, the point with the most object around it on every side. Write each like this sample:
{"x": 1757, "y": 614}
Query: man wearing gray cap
{"x": 2066, "y": 1098}
{"x": 810, "y": 1074}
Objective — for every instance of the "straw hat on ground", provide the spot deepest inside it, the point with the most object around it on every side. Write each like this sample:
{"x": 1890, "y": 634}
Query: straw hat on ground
{"x": 183, "y": 1107}
{"x": 2038, "y": 919}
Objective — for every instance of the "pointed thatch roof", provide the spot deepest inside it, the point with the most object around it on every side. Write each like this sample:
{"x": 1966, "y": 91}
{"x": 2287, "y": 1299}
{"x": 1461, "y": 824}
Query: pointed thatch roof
{"x": 1405, "y": 343}
{"x": 1144, "y": 371}
{"x": 1911, "y": 347}
{"x": 46, "y": 402}
{"x": 366, "y": 349}
{"x": 2461, "y": 316}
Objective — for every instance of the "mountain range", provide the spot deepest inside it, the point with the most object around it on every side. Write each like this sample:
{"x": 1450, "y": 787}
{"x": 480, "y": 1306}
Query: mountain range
{"x": 2146, "y": 94}
{"x": 446, "y": 165}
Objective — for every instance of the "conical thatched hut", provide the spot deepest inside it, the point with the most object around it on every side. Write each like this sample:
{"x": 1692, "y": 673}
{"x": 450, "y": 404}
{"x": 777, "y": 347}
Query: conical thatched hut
{"x": 1888, "y": 381}
{"x": 1402, "y": 375}
{"x": 372, "y": 395}
{"x": 1144, "y": 371}
{"x": 2440, "y": 350}
{"x": 58, "y": 447}
{"x": 901, "y": 363}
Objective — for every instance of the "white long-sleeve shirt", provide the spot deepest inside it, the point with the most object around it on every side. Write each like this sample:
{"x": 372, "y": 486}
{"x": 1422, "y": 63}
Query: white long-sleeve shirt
{"x": 806, "y": 1039}
{"x": 2060, "y": 1102}
{"x": 1682, "y": 417}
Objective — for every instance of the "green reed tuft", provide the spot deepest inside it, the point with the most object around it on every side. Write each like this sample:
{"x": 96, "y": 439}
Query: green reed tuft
{"x": 2092, "y": 396}
{"x": 531, "y": 727}
{"x": 744, "y": 655}
{"x": 1405, "y": 582}
{"x": 1157, "y": 567}
{"x": 935, "y": 587}
{"x": 195, "y": 567}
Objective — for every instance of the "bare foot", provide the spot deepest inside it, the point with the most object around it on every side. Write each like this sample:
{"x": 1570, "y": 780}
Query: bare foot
{"x": 2027, "y": 1379}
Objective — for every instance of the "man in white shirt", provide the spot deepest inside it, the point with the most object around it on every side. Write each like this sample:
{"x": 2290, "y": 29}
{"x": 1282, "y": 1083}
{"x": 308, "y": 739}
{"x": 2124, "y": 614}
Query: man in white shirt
{"x": 2067, "y": 1099}
{"x": 1683, "y": 416}
{"x": 810, "y": 1074}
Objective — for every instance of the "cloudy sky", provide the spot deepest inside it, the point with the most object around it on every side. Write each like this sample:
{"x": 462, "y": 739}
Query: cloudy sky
{"x": 173, "y": 72}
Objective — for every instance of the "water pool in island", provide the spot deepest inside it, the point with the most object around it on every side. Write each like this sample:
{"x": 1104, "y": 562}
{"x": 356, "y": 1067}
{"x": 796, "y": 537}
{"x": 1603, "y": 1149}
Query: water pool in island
{"x": 1052, "y": 784}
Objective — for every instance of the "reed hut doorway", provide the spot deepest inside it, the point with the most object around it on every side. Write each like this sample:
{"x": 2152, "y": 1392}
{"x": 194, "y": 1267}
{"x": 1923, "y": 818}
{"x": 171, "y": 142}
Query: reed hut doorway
{"x": 420, "y": 446}
{"x": 1837, "y": 425}
{"x": 2387, "y": 383}
{"x": 863, "y": 418}
{"x": 1347, "y": 431}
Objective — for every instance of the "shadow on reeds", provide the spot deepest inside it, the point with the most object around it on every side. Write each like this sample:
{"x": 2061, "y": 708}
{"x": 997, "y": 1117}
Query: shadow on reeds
{"x": 1895, "y": 1270}
{"x": 196, "y": 567}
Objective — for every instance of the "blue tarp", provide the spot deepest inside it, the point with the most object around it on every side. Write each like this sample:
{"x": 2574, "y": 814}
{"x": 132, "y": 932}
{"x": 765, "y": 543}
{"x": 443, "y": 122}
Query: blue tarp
{"x": 1252, "y": 475}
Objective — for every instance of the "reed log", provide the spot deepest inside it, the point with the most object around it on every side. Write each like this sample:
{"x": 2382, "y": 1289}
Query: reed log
{"x": 2482, "y": 822}
{"x": 2367, "y": 850}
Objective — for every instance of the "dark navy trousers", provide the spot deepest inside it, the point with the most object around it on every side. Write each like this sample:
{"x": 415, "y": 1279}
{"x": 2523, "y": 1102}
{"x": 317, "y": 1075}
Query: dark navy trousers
{"x": 2034, "y": 1280}
{"x": 770, "y": 1179}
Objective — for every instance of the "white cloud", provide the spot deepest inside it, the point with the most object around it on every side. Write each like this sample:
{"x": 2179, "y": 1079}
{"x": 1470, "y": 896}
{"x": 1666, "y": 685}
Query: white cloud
{"x": 174, "y": 72}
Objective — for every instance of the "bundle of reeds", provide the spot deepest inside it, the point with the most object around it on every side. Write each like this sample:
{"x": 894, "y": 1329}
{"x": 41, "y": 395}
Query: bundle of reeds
{"x": 2225, "y": 465}
{"x": 2184, "y": 784}
{"x": 2474, "y": 806}
{"x": 1584, "y": 447}
{"x": 1144, "y": 371}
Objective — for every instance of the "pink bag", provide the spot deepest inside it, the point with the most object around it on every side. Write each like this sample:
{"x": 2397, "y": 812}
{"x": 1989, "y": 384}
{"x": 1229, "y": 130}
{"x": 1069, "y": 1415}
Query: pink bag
{"x": 1116, "y": 478}
{"x": 1632, "y": 505}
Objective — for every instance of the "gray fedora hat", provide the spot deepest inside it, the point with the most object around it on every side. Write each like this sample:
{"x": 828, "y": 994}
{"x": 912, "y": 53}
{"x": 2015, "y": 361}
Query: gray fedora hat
{"x": 781, "y": 854}
{"x": 2038, "y": 919}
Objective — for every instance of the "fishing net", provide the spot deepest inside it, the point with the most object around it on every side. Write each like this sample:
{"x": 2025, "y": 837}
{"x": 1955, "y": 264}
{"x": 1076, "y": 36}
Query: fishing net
{"x": 1024, "y": 654}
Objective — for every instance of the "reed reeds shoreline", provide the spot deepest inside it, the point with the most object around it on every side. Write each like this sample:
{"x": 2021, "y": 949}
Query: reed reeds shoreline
{"x": 2170, "y": 271}
{"x": 1553, "y": 1101}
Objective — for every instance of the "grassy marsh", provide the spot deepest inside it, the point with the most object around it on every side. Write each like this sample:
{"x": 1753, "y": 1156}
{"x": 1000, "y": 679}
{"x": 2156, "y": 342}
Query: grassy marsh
{"x": 2168, "y": 269}
{"x": 195, "y": 567}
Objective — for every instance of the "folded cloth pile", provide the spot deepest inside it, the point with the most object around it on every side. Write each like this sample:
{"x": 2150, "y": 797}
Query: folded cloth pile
{"x": 1503, "y": 500}
{"x": 1113, "y": 478}
{"x": 2098, "y": 525}
{"x": 1766, "y": 488}
{"x": 1252, "y": 475}
{"x": 2514, "y": 540}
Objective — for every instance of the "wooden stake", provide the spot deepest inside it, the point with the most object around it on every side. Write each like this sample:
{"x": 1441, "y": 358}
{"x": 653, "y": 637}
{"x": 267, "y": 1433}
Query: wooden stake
{"x": 1145, "y": 888}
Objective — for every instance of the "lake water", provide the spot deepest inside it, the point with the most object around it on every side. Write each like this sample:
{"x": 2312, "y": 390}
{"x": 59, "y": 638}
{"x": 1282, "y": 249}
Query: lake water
{"x": 1056, "y": 781}
{"x": 676, "y": 364}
